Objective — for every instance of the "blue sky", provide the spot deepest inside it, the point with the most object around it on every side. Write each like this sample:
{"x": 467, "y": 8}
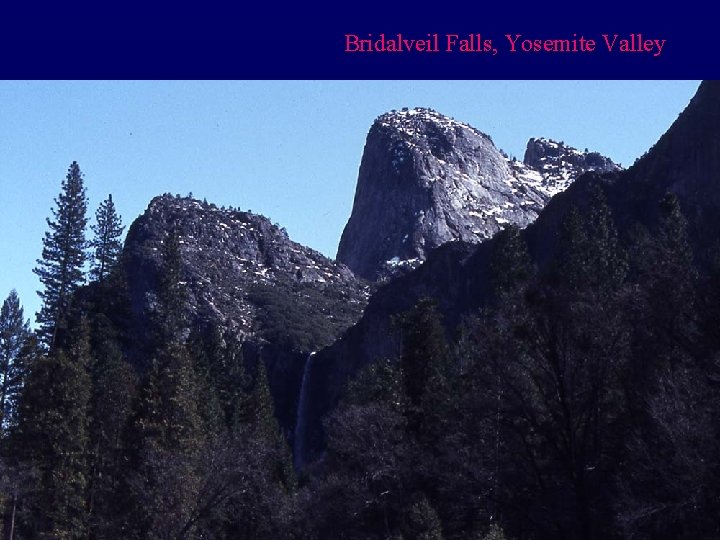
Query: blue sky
{"x": 289, "y": 150}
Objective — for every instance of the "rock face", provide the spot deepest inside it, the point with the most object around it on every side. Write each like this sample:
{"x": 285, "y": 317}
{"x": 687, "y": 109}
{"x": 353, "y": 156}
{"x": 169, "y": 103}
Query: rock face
{"x": 426, "y": 179}
{"x": 230, "y": 257}
{"x": 560, "y": 164}
{"x": 246, "y": 276}
{"x": 686, "y": 162}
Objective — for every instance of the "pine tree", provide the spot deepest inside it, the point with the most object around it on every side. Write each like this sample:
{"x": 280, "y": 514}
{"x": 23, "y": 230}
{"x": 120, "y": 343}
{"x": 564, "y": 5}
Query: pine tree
{"x": 63, "y": 256}
{"x": 106, "y": 244}
{"x": 666, "y": 323}
{"x": 673, "y": 441}
{"x": 262, "y": 408}
{"x": 172, "y": 377}
{"x": 113, "y": 384}
{"x": 674, "y": 275}
{"x": 209, "y": 408}
{"x": 591, "y": 260}
{"x": 52, "y": 439}
{"x": 233, "y": 383}
{"x": 220, "y": 373}
{"x": 573, "y": 261}
{"x": 610, "y": 266}
{"x": 267, "y": 429}
{"x": 164, "y": 444}
{"x": 510, "y": 263}
{"x": 261, "y": 468}
{"x": 14, "y": 331}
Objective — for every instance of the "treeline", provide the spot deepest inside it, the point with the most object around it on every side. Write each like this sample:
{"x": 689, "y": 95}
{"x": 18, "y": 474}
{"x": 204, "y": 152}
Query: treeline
{"x": 581, "y": 402}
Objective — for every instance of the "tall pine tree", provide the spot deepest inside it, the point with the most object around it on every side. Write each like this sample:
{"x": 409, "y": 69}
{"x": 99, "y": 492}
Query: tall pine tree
{"x": 14, "y": 331}
{"x": 61, "y": 267}
{"x": 113, "y": 387}
{"x": 267, "y": 429}
{"x": 665, "y": 325}
{"x": 52, "y": 440}
{"x": 106, "y": 244}
{"x": 510, "y": 264}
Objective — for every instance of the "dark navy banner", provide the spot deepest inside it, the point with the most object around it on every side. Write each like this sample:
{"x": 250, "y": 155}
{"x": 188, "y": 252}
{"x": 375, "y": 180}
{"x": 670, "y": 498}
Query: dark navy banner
{"x": 487, "y": 41}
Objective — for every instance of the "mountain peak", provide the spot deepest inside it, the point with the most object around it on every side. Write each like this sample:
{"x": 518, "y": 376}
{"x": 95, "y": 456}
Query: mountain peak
{"x": 416, "y": 121}
{"x": 426, "y": 179}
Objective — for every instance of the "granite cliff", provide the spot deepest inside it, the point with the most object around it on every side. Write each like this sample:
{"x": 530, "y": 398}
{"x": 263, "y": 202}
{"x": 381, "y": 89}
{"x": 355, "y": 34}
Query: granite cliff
{"x": 426, "y": 179}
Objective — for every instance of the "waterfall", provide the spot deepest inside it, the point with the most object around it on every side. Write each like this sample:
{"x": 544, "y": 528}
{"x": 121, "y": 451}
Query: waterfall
{"x": 301, "y": 419}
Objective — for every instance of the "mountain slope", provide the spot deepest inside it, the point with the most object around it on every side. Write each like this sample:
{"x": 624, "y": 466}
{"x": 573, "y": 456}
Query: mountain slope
{"x": 243, "y": 274}
{"x": 685, "y": 162}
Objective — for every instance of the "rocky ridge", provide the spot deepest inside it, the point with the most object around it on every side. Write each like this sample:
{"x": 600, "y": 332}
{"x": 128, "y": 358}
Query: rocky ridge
{"x": 229, "y": 256}
{"x": 560, "y": 164}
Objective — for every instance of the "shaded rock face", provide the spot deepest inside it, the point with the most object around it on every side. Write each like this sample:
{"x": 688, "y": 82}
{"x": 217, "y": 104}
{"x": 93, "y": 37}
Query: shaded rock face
{"x": 685, "y": 162}
{"x": 426, "y": 179}
{"x": 243, "y": 273}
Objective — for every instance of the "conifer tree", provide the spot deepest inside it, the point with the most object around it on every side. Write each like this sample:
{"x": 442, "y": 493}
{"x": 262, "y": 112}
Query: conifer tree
{"x": 60, "y": 268}
{"x": 672, "y": 443}
{"x": 14, "y": 331}
{"x": 674, "y": 274}
{"x": 113, "y": 384}
{"x": 164, "y": 443}
{"x": 267, "y": 429}
{"x": 495, "y": 533}
{"x": 510, "y": 263}
{"x": 590, "y": 258}
{"x": 209, "y": 408}
{"x": 53, "y": 436}
{"x": 573, "y": 261}
{"x": 106, "y": 244}
{"x": 665, "y": 325}
{"x": 589, "y": 289}
{"x": 233, "y": 384}
{"x": 177, "y": 383}
{"x": 263, "y": 413}
{"x": 609, "y": 259}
